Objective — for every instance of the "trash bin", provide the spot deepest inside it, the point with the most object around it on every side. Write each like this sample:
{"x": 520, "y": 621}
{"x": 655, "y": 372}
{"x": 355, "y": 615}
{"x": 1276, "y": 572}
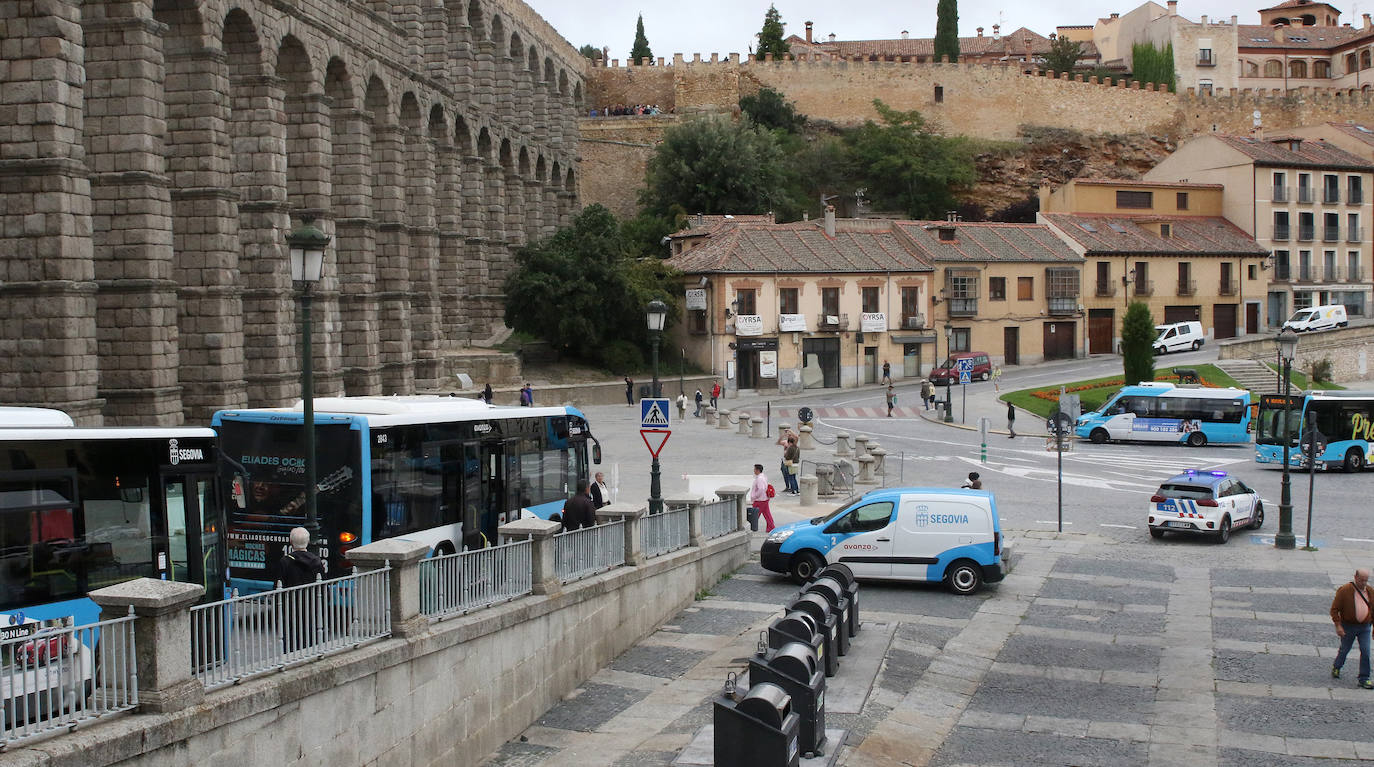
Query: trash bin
{"x": 797, "y": 626}
{"x": 827, "y": 621}
{"x": 833, "y": 594}
{"x": 753, "y": 514}
{"x": 795, "y": 669}
{"x": 841, "y": 572}
{"x": 761, "y": 730}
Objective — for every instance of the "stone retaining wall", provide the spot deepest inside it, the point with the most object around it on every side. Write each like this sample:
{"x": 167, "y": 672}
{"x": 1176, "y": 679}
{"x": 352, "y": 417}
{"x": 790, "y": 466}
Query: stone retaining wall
{"x": 1350, "y": 351}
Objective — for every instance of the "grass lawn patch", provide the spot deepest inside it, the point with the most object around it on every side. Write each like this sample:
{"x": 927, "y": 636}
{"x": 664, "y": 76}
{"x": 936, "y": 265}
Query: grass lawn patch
{"x": 1300, "y": 380}
{"x": 1093, "y": 393}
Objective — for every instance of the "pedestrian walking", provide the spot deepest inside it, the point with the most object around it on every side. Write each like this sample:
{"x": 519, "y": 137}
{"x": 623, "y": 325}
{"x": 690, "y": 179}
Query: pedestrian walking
{"x": 681, "y": 406}
{"x": 887, "y": 372}
{"x": 1350, "y": 611}
{"x": 580, "y": 510}
{"x": 973, "y": 482}
{"x": 601, "y": 495}
{"x": 791, "y": 466}
{"x": 1011, "y": 421}
{"x": 487, "y": 393}
{"x": 891, "y": 400}
{"x": 700, "y": 401}
{"x": 927, "y": 393}
{"x": 759, "y": 494}
{"x": 629, "y": 391}
{"x": 715, "y": 395}
{"x": 527, "y": 396}
{"x": 997, "y": 378}
{"x": 298, "y": 567}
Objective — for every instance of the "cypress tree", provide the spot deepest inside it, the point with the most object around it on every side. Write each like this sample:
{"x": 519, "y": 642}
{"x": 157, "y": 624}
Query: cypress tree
{"x": 641, "y": 46}
{"x": 770, "y": 37}
{"x": 947, "y": 30}
{"x": 1137, "y": 339}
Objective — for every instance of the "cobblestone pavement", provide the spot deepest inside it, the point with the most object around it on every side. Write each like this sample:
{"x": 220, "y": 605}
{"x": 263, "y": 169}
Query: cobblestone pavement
{"x": 1092, "y": 652}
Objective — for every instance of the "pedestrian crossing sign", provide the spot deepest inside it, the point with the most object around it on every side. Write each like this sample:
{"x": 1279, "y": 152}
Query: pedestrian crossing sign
{"x": 653, "y": 413}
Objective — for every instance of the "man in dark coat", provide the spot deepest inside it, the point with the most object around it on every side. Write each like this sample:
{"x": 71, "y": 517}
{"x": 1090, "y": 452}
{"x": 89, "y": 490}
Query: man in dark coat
{"x": 299, "y": 567}
{"x": 580, "y": 510}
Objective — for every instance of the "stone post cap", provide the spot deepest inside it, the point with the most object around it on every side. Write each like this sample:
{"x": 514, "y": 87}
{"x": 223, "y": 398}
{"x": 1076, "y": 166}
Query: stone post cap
{"x": 149, "y": 596}
{"x": 807, "y": 479}
{"x": 682, "y": 500}
{"x": 842, "y": 434}
{"x": 614, "y": 511}
{"x": 804, "y": 427}
{"x": 784, "y": 426}
{"x": 532, "y": 527}
{"x": 710, "y": 409}
{"x": 877, "y": 451}
{"x": 397, "y": 551}
{"x": 825, "y": 469}
{"x": 865, "y": 459}
{"x": 756, "y": 419}
{"x": 732, "y": 490}
{"x": 861, "y": 438}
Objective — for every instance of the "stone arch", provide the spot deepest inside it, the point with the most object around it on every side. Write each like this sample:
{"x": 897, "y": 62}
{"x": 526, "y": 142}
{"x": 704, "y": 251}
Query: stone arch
{"x": 462, "y": 136}
{"x": 532, "y": 63}
{"x": 497, "y": 31}
{"x": 563, "y": 83}
{"x": 1273, "y": 68}
{"x": 1297, "y": 68}
{"x": 475, "y": 22}
{"x": 577, "y": 96}
{"x": 1366, "y": 88}
{"x": 484, "y": 145}
{"x": 351, "y": 202}
{"x": 517, "y": 49}
{"x": 550, "y": 76}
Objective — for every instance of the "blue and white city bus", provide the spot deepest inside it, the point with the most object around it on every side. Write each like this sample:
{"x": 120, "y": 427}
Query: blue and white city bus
{"x": 445, "y": 471}
{"x": 1344, "y": 429}
{"x": 1165, "y": 412}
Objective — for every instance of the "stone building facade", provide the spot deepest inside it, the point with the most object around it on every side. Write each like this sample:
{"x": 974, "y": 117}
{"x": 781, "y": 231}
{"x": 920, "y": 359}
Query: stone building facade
{"x": 154, "y": 154}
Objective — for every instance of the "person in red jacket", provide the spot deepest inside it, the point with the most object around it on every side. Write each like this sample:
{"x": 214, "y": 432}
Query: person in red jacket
{"x": 1351, "y": 612}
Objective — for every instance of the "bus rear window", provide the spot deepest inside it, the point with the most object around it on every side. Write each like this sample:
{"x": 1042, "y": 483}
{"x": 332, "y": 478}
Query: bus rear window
{"x": 1187, "y": 492}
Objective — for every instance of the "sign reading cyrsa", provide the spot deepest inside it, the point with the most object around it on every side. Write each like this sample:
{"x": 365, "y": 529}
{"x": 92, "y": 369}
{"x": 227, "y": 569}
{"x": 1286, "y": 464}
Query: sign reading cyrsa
{"x": 696, "y": 299}
{"x": 873, "y": 322}
{"x": 749, "y": 325}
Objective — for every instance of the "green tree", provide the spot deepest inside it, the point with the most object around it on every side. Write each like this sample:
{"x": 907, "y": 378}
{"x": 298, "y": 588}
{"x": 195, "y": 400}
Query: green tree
{"x": 770, "y": 37}
{"x": 906, "y": 166}
{"x": 641, "y": 46}
{"x": 715, "y": 165}
{"x": 1063, "y": 55}
{"x": 947, "y": 30}
{"x": 1137, "y": 344}
{"x": 581, "y": 292}
{"x": 590, "y": 51}
{"x": 769, "y": 109}
{"x": 1152, "y": 65}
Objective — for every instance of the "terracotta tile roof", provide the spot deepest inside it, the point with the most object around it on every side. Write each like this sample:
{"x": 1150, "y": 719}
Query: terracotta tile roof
{"x": 1363, "y": 133}
{"x": 800, "y": 247}
{"x": 983, "y": 242}
{"x": 1134, "y": 182}
{"x": 1311, "y": 153}
{"x": 1103, "y": 234}
{"x": 1298, "y": 4}
{"x": 698, "y": 225}
{"x": 1259, "y": 36}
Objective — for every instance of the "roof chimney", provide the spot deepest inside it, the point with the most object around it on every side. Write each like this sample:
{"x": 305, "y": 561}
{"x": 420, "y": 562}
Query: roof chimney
{"x": 1233, "y": 19}
{"x": 1204, "y": 20}
{"x": 808, "y": 31}
{"x": 1173, "y": 7}
{"x": 904, "y": 34}
{"x": 830, "y": 221}
{"x": 1366, "y": 21}
{"x": 832, "y": 37}
{"x": 980, "y": 31}
{"x": 996, "y": 31}
{"x": 1116, "y": 15}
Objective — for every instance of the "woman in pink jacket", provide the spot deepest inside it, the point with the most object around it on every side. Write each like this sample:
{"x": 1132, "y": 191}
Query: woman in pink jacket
{"x": 758, "y": 496}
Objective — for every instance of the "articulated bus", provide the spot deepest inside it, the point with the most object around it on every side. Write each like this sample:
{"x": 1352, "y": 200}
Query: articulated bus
{"x": 1344, "y": 433}
{"x": 1165, "y": 412}
{"x": 445, "y": 471}
{"x": 85, "y": 508}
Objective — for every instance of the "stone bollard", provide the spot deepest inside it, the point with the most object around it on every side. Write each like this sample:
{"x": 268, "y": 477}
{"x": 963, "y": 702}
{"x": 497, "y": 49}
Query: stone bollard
{"x": 710, "y": 416}
{"x": 740, "y": 495}
{"x": 879, "y": 461}
{"x": 723, "y": 419}
{"x": 783, "y": 428}
{"x": 744, "y": 424}
{"x": 861, "y": 446}
{"x": 539, "y": 532}
{"x": 630, "y": 514}
{"x": 865, "y": 471}
{"x": 808, "y": 490}
{"x": 756, "y": 431}
{"x": 842, "y": 444}
{"x": 825, "y": 474}
{"x": 693, "y": 504}
{"x": 162, "y": 639}
{"x": 805, "y": 440}
{"x": 403, "y": 581}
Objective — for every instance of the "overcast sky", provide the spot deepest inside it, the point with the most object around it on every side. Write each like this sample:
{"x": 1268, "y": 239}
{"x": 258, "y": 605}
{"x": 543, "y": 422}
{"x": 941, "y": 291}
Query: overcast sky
{"x": 726, "y": 26}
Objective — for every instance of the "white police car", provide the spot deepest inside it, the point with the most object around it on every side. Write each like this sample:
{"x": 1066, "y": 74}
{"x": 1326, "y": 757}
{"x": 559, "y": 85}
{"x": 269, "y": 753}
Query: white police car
{"x": 899, "y": 533}
{"x": 1204, "y": 502}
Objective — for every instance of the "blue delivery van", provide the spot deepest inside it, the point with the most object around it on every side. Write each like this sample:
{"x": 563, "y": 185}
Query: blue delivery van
{"x": 899, "y": 534}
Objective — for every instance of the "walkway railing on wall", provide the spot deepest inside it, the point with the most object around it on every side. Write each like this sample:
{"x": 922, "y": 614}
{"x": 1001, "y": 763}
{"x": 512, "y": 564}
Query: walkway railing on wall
{"x": 470, "y": 580}
{"x": 591, "y": 550}
{"x": 662, "y": 533}
{"x": 56, "y": 678}
{"x": 243, "y": 636}
{"x": 719, "y": 518}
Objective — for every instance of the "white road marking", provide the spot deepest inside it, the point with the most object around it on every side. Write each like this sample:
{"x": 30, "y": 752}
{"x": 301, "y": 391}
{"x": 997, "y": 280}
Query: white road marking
{"x": 1050, "y": 522}
{"x": 1359, "y": 540}
{"x": 1123, "y": 527}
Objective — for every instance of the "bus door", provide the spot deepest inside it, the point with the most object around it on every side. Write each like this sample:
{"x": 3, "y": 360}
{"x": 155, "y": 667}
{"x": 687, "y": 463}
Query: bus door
{"x": 500, "y": 470}
{"x": 193, "y": 551}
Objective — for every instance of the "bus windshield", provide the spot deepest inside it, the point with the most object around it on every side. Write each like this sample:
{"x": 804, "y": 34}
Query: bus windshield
{"x": 1269, "y": 431}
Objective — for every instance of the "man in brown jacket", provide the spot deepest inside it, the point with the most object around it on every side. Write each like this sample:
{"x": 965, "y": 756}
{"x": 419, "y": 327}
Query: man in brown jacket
{"x": 1353, "y": 616}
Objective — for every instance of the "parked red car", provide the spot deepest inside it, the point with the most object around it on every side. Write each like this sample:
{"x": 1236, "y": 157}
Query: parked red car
{"x": 948, "y": 372}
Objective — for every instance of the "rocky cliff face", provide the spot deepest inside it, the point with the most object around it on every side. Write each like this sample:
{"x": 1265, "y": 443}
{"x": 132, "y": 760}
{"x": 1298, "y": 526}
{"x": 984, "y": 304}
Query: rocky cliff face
{"x": 1010, "y": 173}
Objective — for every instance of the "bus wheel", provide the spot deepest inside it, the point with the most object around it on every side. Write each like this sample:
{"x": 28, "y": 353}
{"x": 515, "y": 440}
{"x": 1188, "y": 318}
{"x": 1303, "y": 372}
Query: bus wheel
{"x": 805, "y": 565}
{"x": 1197, "y": 439}
{"x": 964, "y": 577}
{"x": 1354, "y": 460}
{"x": 1224, "y": 531}
{"x": 1098, "y": 436}
{"x": 443, "y": 549}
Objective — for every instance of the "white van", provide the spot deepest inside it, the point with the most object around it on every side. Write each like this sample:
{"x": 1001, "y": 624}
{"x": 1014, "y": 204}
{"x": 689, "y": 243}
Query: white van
{"x": 1326, "y": 317}
{"x": 1179, "y": 337}
{"x": 901, "y": 534}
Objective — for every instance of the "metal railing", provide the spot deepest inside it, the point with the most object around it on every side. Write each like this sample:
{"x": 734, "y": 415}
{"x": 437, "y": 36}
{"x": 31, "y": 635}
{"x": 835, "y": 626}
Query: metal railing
{"x": 455, "y": 584}
{"x": 591, "y": 550}
{"x": 1354, "y": 233}
{"x": 1282, "y": 193}
{"x": 244, "y": 636}
{"x": 57, "y": 677}
{"x": 1331, "y": 196}
{"x": 1305, "y": 232}
{"x": 1144, "y": 287}
{"x": 962, "y": 307}
{"x": 1281, "y": 232}
{"x": 1306, "y": 194}
{"x": 1206, "y": 60}
{"x": 1354, "y": 274}
{"x": 1106, "y": 289}
{"x": 719, "y": 518}
{"x": 1354, "y": 196}
{"x": 1331, "y": 233}
{"x": 1187, "y": 287}
{"x": 1228, "y": 287}
{"x": 662, "y": 533}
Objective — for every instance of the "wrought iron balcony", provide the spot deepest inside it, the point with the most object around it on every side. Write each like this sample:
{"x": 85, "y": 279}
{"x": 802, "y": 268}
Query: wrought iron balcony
{"x": 1228, "y": 288}
{"x": 1187, "y": 287}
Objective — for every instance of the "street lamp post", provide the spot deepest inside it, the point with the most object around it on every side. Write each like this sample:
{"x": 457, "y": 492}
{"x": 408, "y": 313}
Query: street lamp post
{"x": 1288, "y": 349}
{"x": 655, "y": 314}
{"x": 307, "y": 244}
{"x": 949, "y": 384}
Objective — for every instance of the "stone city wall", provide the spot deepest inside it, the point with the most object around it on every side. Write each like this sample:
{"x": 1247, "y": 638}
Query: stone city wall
{"x": 1350, "y": 351}
{"x": 154, "y": 156}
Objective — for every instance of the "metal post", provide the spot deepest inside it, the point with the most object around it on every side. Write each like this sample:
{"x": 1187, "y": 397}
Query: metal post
{"x": 1311, "y": 479}
{"x": 655, "y": 487}
{"x": 1285, "y": 539}
{"x": 949, "y": 407}
{"x": 983, "y": 424}
{"x": 1059, "y": 459}
{"x": 963, "y": 405}
{"x": 681, "y": 371}
{"x": 312, "y": 524}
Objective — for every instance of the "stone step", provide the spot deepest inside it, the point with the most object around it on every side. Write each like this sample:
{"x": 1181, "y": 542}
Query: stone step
{"x": 1253, "y": 375}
